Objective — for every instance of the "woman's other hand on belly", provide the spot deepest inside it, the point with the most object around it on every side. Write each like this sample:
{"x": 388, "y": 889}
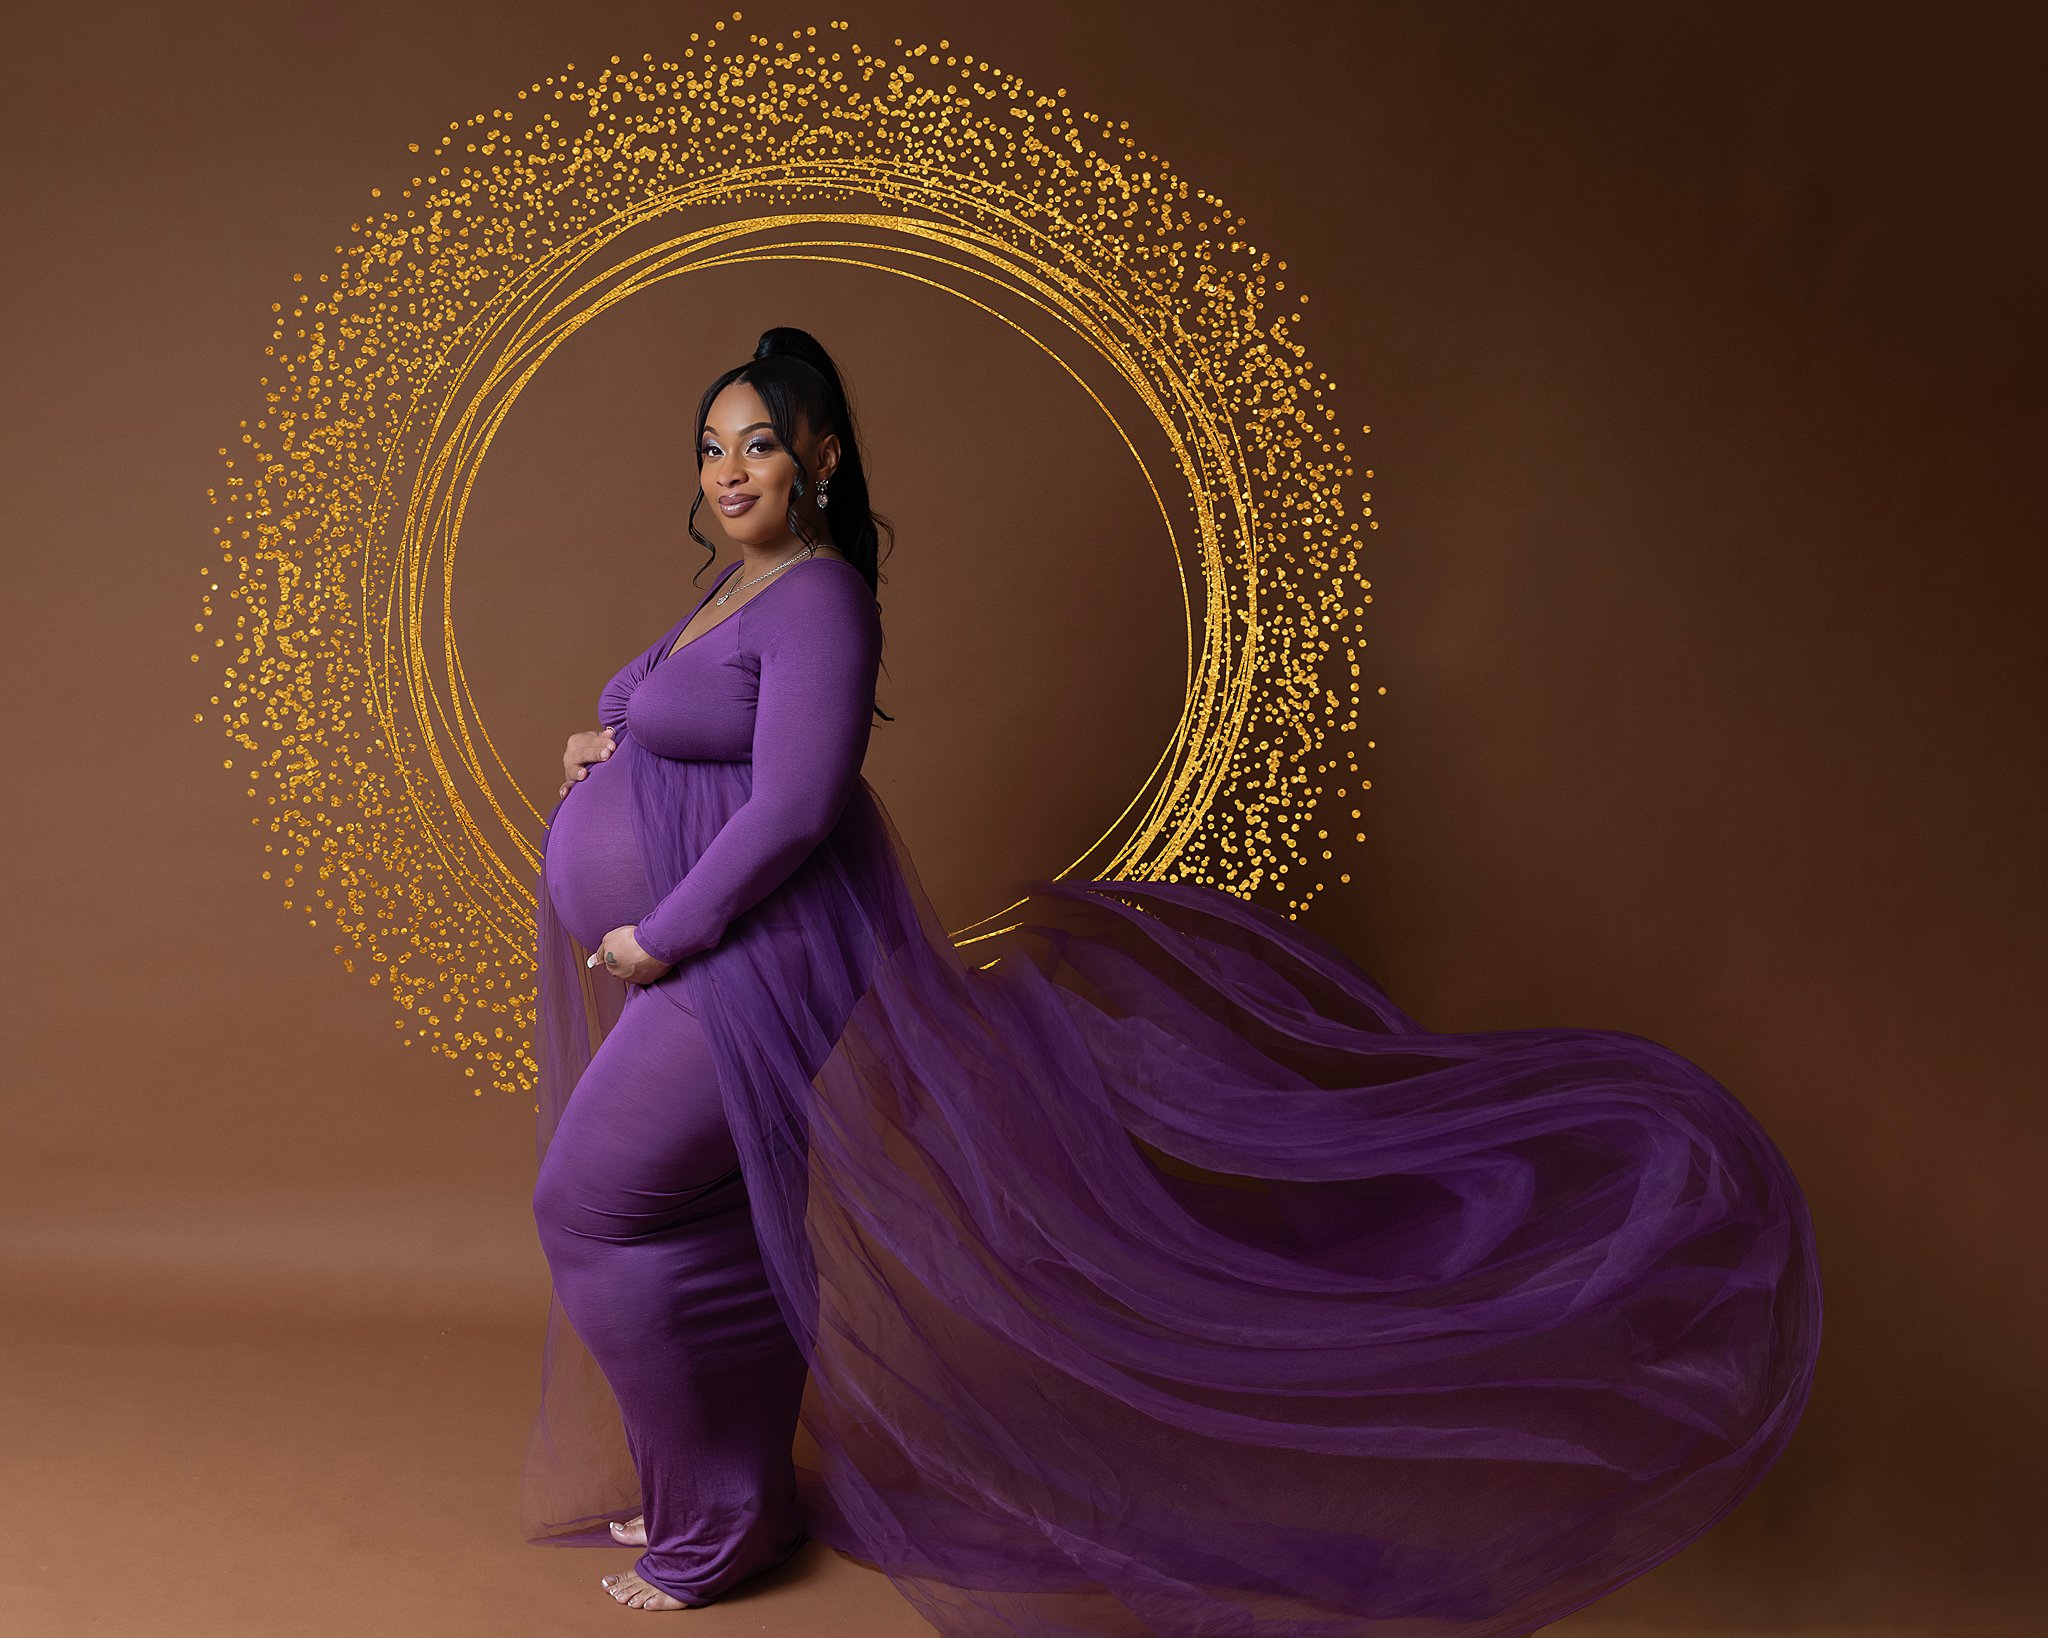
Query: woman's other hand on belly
{"x": 595, "y": 745}
{"x": 621, "y": 956}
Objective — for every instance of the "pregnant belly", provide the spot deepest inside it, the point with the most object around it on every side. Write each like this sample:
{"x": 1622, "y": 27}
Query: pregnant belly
{"x": 593, "y": 870}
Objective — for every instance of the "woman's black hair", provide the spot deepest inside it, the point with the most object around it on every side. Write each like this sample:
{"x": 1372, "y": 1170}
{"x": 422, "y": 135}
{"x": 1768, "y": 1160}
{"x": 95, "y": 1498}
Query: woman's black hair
{"x": 799, "y": 383}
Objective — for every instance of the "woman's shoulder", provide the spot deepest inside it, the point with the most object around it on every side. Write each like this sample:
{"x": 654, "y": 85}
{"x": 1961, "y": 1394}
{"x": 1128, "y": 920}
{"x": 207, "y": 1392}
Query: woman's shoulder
{"x": 819, "y": 595}
{"x": 817, "y": 583}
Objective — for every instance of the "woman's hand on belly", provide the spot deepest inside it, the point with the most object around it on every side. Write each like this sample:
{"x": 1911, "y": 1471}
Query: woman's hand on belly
{"x": 622, "y": 957}
{"x": 582, "y": 750}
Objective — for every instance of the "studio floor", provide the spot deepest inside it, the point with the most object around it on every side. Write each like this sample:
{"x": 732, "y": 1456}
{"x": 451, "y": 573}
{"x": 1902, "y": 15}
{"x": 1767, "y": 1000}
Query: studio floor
{"x": 274, "y": 1480}
{"x": 172, "y": 1477}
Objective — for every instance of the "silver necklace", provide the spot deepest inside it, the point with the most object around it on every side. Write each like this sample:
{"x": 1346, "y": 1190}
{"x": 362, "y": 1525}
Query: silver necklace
{"x": 741, "y": 585}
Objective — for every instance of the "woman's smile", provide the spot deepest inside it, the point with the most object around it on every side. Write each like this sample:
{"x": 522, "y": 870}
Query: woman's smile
{"x": 733, "y": 505}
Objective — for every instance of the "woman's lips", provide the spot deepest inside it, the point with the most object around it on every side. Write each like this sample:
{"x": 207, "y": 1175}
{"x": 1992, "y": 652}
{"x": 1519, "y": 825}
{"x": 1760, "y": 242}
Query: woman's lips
{"x": 733, "y": 508}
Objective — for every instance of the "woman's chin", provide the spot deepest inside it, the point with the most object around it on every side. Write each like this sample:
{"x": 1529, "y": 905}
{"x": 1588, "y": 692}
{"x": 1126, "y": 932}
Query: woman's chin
{"x": 752, "y": 528}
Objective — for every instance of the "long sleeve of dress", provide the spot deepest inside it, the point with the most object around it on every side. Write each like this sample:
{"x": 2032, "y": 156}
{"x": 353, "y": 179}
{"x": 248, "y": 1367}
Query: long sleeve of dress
{"x": 819, "y": 641}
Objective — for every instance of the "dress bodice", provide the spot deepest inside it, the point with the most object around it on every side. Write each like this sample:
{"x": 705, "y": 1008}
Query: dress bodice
{"x": 785, "y": 684}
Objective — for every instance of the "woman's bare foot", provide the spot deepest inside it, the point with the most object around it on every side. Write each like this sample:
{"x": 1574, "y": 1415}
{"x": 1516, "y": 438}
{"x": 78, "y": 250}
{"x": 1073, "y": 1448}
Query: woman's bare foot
{"x": 633, "y": 1533}
{"x": 636, "y": 1594}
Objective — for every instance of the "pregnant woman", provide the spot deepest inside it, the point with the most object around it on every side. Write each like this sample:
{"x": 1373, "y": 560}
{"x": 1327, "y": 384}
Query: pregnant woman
{"x": 1151, "y": 1273}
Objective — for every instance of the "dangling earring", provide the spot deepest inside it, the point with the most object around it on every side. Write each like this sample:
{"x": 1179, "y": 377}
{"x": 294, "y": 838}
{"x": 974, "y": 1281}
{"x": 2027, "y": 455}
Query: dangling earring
{"x": 822, "y": 482}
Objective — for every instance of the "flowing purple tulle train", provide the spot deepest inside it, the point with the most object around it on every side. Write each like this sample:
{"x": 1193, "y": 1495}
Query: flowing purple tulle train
{"x": 1164, "y": 1277}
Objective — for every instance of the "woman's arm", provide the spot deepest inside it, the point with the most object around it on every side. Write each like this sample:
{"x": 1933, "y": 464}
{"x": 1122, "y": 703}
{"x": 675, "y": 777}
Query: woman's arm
{"x": 820, "y": 645}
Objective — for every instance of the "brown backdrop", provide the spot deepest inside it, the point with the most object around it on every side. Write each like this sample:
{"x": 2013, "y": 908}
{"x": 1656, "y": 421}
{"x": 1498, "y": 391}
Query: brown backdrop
{"x": 1701, "y": 345}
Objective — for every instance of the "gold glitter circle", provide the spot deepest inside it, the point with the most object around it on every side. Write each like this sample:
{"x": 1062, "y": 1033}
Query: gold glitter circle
{"x": 328, "y": 605}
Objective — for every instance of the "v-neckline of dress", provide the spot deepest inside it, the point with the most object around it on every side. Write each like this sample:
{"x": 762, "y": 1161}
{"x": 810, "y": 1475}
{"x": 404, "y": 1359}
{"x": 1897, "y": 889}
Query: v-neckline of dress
{"x": 676, "y": 648}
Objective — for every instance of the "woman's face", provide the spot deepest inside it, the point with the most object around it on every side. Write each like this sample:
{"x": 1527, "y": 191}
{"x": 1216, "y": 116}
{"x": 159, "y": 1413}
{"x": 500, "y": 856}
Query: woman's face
{"x": 742, "y": 457}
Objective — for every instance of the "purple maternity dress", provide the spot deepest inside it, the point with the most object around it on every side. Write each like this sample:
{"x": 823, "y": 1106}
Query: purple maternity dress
{"x": 1150, "y": 1273}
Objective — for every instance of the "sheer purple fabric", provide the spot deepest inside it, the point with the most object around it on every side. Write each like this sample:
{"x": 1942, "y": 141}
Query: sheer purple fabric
{"x": 1163, "y": 1276}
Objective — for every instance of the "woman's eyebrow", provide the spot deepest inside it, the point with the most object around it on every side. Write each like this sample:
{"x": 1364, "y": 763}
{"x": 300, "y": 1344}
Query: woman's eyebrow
{"x": 712, "y": 432}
